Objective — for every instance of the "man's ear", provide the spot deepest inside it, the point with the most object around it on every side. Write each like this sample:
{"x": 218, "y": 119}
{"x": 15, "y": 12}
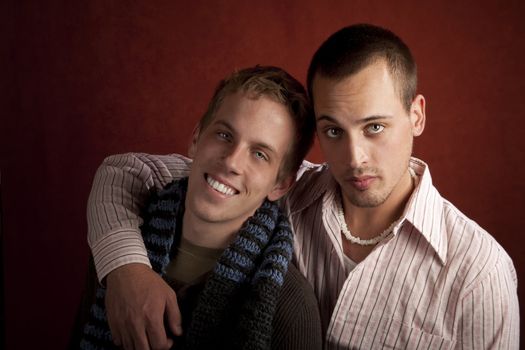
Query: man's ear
{"x": 194, "y": 139}
{"x": 417, "y": 115}
{"x": 281, "y": 187}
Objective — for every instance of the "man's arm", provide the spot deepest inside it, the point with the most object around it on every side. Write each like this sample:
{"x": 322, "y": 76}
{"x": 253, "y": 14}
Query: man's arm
{"x": 120, "y": 188}
{"x": 490, "y": 311}
{"x": 137, "y": 299}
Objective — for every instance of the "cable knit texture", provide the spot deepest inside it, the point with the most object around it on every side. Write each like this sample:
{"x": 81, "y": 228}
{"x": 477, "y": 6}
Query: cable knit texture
{"x": 236, "y": 307}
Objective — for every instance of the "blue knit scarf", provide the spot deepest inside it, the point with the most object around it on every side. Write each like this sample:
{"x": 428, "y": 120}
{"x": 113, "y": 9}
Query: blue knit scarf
{"x": 236, "y": 306}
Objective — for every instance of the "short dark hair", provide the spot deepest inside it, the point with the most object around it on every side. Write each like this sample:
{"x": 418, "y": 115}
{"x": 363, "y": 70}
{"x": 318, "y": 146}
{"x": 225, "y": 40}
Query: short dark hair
{"x": 354, "y": 47}
{"x": 281, "y": 87}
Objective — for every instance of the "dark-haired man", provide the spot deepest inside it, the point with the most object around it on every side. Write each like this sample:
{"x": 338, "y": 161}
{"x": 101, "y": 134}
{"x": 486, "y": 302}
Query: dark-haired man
{"x": 214, "y": 233}
{"x": 393, "y": 264}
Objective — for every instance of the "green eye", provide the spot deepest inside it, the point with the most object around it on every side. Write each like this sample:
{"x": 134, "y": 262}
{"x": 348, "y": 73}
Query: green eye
{"x": 260, "y": 155}
{"x": 374, "y": 128}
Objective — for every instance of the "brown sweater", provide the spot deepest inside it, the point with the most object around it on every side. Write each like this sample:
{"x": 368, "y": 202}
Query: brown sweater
{"x": 296, "y": 322}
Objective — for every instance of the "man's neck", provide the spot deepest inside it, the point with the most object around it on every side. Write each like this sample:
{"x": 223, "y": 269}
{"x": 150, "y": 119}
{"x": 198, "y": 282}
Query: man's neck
{"x": 367, "y": 223}
{"x": 206, "y": 234}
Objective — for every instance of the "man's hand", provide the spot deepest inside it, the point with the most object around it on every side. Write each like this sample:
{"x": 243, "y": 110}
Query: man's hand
{"x": 137, "y": 303}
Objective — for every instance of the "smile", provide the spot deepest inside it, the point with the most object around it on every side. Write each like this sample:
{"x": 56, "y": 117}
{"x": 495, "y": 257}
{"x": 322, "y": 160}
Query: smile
{"x": 220, "y": 187}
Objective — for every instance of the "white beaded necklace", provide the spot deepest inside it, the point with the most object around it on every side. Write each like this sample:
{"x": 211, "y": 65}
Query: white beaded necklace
{"x": 357, "y": 240}
{"x": 371, "y": 241}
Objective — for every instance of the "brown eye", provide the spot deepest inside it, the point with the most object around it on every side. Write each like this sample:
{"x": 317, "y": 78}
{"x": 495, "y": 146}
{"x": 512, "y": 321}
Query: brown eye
{"x": 333, "y": 132}
{"x": 223, "y": 135}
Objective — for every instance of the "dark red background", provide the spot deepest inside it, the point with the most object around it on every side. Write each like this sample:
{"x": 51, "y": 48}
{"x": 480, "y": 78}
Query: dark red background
{"x": 83, "y": 80}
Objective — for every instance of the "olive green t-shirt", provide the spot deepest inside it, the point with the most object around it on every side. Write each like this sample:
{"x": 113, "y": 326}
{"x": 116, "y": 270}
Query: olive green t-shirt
{"x": 191, "y": 262}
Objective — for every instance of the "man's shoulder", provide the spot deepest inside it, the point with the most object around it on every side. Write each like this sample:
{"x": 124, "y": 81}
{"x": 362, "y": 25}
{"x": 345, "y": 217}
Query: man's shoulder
{"x": 296, "y": 323}
{"x": 169, "y": 160}
{"x": 296, "y": 296}
{"x": 471, "y": 249}
{"x": 170, "y": 166}
{"x": 460, "y": 226}
{"x": 296, "y": 282}
{"x": 313, "y": 180}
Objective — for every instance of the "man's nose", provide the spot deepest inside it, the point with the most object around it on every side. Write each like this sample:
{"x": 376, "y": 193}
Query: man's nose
{"x": 356, "y": 153}
{"x": 235, "y": 159}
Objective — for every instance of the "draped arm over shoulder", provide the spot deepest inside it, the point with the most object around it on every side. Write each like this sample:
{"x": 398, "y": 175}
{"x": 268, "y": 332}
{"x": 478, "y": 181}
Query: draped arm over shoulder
{"x": 120, "y": 188}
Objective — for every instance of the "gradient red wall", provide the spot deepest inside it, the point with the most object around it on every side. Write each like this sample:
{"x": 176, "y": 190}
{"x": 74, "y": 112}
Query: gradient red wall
{"x": 83, "y": 80}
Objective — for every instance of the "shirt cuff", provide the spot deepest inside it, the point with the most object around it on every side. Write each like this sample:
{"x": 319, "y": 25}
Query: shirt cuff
{"x": 116, "y": 249}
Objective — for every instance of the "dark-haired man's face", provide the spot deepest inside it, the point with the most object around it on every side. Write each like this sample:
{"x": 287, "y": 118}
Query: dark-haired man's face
{"x": 366, "y": 135}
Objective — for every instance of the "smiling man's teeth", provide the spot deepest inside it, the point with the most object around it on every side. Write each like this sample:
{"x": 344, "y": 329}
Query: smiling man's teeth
{"x": 219, "y": 187}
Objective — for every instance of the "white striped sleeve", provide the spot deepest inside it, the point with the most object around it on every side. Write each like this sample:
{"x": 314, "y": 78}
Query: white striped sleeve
{"x": 490, "y": 312}
{"x": 120, "y": 188}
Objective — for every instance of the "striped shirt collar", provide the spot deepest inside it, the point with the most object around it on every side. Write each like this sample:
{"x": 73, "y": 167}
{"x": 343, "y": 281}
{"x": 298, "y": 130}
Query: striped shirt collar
{"x": 423, "y": 210}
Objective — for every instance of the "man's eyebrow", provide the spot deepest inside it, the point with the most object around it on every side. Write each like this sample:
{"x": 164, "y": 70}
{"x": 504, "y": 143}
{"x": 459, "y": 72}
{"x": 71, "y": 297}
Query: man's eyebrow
{"x": 369, "y": 119}
{"x": 374, "y": 118}
{"x": 258, "y": 144}
{"x": 225, "y": 124}
{"x": 327, "y": 118}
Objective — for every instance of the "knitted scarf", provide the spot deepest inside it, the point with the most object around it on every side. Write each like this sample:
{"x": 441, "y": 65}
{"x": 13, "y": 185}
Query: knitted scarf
{"x": 235, "y": 309}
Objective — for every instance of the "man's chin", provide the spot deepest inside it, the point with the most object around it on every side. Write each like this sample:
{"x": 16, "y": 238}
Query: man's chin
{"x": 366, "y": 200}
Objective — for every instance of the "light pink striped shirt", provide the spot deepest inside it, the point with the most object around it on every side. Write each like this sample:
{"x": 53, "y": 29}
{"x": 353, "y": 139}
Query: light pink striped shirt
{"x": 438, "y": 282}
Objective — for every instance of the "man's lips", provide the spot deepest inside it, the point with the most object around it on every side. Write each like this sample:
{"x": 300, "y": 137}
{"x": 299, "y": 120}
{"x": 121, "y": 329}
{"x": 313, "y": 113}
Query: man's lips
{"x": 220, "y": 186}
{"x": 362, "y": 183}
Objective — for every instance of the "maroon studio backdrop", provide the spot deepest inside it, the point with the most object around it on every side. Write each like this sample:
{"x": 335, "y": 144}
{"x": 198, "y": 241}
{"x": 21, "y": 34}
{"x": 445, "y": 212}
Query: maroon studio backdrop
{"x": 85, "y": 79}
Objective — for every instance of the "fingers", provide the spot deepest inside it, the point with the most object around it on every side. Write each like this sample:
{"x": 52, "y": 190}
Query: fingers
{"x": 173, "y": 316}
{"x": 156, "y": 333}
{"x": 129, "y": 335}
{"x": 138, "y": 339}
{"x": 137, "y": 303}
{"x": 156, "y": 330}
{"x": 127, "y": 342}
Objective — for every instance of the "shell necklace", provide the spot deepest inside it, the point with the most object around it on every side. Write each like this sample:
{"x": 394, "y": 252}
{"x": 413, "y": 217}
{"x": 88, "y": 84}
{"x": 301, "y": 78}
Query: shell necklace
{"x": 357, "y": 240}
